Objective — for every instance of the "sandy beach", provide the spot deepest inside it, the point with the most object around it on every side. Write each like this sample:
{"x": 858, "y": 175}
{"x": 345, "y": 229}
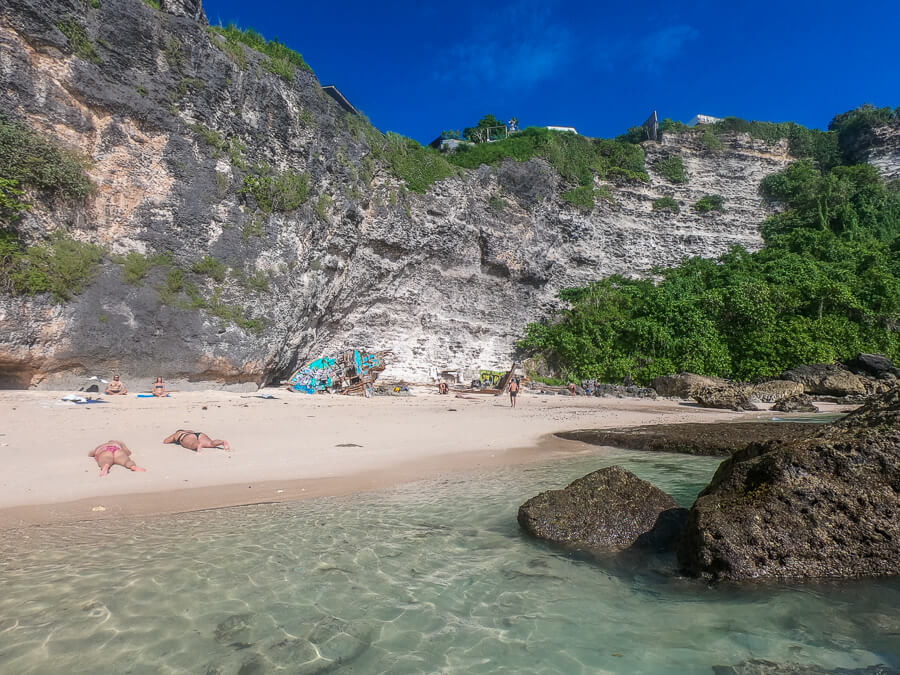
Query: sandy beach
{"x": 292, "y": 447}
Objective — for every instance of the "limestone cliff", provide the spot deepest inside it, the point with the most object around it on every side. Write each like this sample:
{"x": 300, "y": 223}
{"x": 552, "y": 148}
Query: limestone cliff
{"x": 173, "y": 120}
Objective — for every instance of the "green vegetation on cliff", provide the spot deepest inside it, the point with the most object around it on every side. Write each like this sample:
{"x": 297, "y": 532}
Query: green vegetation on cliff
{"x": 63, "y": 266}
{"x": 825, "y": 286}
{"x": 32, "y": 161}
{"x": 576, "y": 158}
{"x": 282, "y": 60}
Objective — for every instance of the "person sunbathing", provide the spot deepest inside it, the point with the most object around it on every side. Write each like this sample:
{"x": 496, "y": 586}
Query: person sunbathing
{"x": 116, "y": 387}
{"x": 159, "y": 388}
{"x": 113, "y": 452}
{"x": 195, "y": 440}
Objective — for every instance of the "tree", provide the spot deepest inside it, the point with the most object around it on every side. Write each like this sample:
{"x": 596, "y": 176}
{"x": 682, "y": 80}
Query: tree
{"x": 482, "y": 132}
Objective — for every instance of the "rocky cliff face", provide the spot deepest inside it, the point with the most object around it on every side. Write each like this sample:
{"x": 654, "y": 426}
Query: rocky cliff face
{"x": 172, "y": 120}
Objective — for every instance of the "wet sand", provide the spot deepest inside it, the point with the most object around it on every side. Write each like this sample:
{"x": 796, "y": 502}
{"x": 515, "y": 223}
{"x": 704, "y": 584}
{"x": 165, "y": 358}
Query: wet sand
{"x": 293, "y": 447}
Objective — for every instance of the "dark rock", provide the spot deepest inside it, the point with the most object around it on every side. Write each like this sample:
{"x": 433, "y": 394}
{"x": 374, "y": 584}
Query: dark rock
{"x": 721, "y": 438}
{"x": 826, "y": 378}
{"x": 607, "y": 510}
{"x": 726, "y": 396}
{"x": 873, "y": 365}
{"x": 763, "y": 667}
{"x": 792, "y": 404}
{"x": 823, "y": 506}
{"x": 683, "y": 385}
{"x": 621, "y": 391}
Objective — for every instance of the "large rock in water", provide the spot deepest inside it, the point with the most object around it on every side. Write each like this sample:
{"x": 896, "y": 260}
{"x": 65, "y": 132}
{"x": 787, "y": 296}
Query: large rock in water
{"x": 607, "y": 510}
{"x": 824, "y": 506}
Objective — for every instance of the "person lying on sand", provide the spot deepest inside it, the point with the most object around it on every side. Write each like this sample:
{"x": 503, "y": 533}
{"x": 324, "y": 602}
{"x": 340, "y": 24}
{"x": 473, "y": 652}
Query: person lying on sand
{"x": 195, "y": 440}
{"x": 116, "y": 387}
{"x": 159, "y": 388}
{"x": 113, "y": 452}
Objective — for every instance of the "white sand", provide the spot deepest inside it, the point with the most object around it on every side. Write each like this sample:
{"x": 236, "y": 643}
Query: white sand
{"x": 282, "y": 449}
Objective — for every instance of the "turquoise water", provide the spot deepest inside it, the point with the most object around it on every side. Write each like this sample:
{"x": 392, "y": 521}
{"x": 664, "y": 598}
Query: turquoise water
{"x": 433, "y": 577}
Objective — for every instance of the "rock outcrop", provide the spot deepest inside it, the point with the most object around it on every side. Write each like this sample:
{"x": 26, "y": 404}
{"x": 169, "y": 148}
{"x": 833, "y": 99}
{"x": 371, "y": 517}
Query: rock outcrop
{"x": 607, "y": 510}
{"x": 775, "y": 390}
{"x": 684, "y": 385}
{"x": 874, "y": 365}
{"x": 172, "y": 120}
{"x": 763, "y": 667}
{"x": 823, "y": 506}
{"x": 726, "y": 396}
{"x": 827, "y": 379}
{"x": 799, "y": 403}
{"x": 691, "y": 438}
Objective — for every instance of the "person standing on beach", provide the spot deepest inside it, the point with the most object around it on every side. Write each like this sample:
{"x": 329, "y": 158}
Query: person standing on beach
{"x": 513, "y": 392}
{"x": 113, "y": 452}
{"x": 116, "y": 387}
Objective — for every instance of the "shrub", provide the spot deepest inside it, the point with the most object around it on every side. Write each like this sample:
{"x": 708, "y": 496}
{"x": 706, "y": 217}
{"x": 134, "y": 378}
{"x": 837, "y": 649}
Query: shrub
{"x": 211, "y": 267}
{"x": 12, "y": 200}
{"x": 418, "y": 166}
{"x": 710, "y": 141}
{"x": 582, "y": 197}
{"x": 710, "y": 203}
{"x": 854, "y": 125}
{"x": 137, "y": 265}
{"x": 281, "y": 192}
{"x": 211, "y": 137}
{"x": 323, "y": 205}
{"x": 497, "y": 204}
{"x": 78, "y": 40}
{"x": 666, "y": 204}
{"x": 63, "y": 266}
{"x": 671, "y": 168}
{"x": 28, "y": 159}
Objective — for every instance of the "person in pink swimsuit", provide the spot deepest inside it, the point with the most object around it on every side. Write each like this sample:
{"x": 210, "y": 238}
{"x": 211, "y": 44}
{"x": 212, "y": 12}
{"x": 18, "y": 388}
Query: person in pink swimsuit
{"x": 113, "y": 452}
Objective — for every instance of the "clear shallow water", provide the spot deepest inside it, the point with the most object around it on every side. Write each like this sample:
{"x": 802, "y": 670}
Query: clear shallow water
{"x": 432, "y": 577}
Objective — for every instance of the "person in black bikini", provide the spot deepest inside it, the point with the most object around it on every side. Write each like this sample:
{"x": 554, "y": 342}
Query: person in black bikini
{"x": 195, "y": 440}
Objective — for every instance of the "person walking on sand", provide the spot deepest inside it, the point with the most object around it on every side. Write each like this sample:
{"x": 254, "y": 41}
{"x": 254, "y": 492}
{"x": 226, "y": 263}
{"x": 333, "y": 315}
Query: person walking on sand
{"x": 159, "y": 388}
{"x": 116, "y": 387}
{"x": 195, "y": 440}
{"x": 113, "y": 452}
{"x": 513, "y": 392}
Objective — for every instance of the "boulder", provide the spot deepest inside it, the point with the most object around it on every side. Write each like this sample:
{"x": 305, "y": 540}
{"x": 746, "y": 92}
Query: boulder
{"x": 828, "y": 379}
{"x": 607, "y": 510}
{"x": 873, "y": 365}
{"x": 793, "y": 404}
{"x": 726, "y": 396}
{"x": 775, "y": 390}
{"x": 683, "y": 385}
{"x": 823, "y": 506}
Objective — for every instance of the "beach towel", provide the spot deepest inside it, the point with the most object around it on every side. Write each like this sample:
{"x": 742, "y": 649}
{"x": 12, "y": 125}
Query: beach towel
{"x": 151, "y": 396}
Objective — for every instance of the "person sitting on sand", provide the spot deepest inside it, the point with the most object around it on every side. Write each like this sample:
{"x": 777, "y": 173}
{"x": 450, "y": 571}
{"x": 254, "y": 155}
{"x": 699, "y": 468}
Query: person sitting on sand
{"x": 159, "y": 388}
{"x": 443, "y": 388}
{"x": 116, "y": 387}
{"x": 195, "y": 440}
{"x": 113, "y": 452}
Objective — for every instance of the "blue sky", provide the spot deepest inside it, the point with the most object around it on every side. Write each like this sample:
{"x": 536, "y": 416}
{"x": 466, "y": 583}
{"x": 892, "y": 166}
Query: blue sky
{"x": 418, "y": 68}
